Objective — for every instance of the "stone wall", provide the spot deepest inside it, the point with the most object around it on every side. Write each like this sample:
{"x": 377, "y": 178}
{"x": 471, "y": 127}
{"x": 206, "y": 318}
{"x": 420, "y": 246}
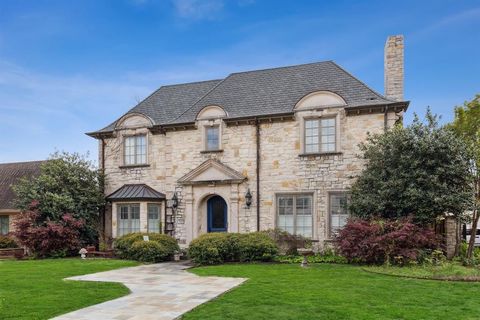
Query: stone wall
{"x": 283, "y": 169}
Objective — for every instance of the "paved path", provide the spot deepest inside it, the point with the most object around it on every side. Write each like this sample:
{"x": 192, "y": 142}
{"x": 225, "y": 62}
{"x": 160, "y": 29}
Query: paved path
{"x": 159, "y": 291}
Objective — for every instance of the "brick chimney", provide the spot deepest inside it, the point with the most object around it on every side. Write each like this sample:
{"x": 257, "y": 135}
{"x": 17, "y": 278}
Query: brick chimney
{"x": 394, "y": 68}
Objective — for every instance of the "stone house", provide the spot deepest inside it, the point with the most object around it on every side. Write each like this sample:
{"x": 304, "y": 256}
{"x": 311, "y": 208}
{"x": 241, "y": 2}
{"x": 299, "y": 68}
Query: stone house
{"x": 273, "y": 148}
{"x": 10, "y": 173}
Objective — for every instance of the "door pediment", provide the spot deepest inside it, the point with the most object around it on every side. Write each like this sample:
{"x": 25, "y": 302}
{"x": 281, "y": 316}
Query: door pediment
{"x": 212, "y": 171}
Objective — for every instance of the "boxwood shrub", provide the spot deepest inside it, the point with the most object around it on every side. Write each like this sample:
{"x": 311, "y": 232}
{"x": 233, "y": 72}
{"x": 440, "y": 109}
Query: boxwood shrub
{"x": 215, "y": 248}
{"x": 7, "y": 242}
{"x": 160, "y": 247}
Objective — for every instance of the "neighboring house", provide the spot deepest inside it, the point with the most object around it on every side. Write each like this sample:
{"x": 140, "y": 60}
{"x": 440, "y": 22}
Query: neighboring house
{"x": 287, "y": 138}
{"x": 10, "y": 173}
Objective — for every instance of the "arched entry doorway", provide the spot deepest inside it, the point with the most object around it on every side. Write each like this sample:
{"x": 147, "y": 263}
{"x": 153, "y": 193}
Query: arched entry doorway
{"x": 217, "y": 214}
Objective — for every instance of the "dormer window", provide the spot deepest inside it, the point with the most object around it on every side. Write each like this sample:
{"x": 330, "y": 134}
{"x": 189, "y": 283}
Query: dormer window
{"x": 212, "y": 138}
{"x": 135, "y": 150}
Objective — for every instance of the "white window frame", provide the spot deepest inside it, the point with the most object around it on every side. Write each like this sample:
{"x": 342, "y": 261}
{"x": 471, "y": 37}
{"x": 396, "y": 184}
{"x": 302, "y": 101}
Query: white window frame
{"x": 331, "y": 231}
{"x": 4, "y": 218}
{"x": 294, "y": 208}
{"x": 219, "y": 132}
{"x": 136, "y": 154}
{"x": 321, "y": 136}
{"x": 130, "y": 227}
{"x": 157, "y": 228}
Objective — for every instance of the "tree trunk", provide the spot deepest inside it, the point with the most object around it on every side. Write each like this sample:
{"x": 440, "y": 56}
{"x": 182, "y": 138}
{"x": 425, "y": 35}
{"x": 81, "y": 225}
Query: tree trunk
{"x": 476, "y": 216}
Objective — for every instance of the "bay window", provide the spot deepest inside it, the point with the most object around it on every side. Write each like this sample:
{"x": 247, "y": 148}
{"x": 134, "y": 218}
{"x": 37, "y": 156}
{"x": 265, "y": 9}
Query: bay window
{"x": 128, "y": 218}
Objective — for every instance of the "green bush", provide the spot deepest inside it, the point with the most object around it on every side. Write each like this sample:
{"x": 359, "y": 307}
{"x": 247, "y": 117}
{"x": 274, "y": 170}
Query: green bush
{"x": 131, "y": 246}
{"x": 7, "y": 242}
{"x": 215, "y": 248}
{"x": 287, "y": 243}
{"x": 256, "y": 246}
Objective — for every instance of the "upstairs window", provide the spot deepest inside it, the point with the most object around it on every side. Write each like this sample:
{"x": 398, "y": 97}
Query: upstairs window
{"x": 212, "y": 138}
{"x": 135, "y": 150}
{"x": 320, "y": 135}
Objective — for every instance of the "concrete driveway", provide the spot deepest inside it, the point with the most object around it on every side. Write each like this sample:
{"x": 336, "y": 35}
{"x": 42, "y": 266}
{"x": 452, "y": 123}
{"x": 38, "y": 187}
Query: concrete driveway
{"x": 158, "y": 291}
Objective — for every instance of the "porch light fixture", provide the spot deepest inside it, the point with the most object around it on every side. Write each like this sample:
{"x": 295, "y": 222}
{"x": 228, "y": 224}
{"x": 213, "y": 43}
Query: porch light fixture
{"x": 248, "y": 198}
{"x": 174, "y": 201}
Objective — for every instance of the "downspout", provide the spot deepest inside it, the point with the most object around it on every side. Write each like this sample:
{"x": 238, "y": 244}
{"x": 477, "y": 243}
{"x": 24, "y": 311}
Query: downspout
{"x": 385, "y": 120}
{"x": 104, "y": 211}
{"x": 257, "y": 127}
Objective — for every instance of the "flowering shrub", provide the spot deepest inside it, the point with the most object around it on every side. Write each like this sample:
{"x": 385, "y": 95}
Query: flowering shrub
{"x": 384, "y": 241}
{"x": 48, "y": 238}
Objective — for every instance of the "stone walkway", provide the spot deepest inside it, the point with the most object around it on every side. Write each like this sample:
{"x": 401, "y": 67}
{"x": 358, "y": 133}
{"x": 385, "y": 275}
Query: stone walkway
{"x": 159, "y": 291}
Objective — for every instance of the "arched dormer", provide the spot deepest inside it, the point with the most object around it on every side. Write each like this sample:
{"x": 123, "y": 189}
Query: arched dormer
{"x": 320, "y": 99}
{"x": 211, "y": 112}
{"x": 134, "y": 120}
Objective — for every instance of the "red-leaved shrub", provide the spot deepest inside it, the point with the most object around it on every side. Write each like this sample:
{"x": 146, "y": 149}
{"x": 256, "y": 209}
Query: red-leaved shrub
{"x": 48, "y": 238}
{"x": 384, "y": 241}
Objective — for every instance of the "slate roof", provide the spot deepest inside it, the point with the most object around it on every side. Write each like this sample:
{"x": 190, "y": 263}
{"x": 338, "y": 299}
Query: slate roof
{"x": 135, "y": 192}
{"x": 10, "y": 173}
{"x": 255, "y": 93}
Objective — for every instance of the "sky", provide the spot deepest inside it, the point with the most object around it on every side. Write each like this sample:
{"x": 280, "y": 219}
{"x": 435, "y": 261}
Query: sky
{"x": 70, "y": 67}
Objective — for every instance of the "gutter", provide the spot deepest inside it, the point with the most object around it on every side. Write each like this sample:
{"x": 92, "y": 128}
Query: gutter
{"x": 104, "y": 211}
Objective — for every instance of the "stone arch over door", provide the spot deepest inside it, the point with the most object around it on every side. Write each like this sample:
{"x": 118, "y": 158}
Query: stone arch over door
{"x": 200, "y": 223}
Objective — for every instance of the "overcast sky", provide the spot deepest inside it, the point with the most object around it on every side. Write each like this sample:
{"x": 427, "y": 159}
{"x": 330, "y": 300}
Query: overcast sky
{"x": 70, "y": 67}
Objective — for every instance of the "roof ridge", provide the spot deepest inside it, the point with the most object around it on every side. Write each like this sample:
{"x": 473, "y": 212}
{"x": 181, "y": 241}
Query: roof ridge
{"x": 360, "y": 81}
{"x": 200, "y": 99}
{"x": 194, "y": 82}
{"x": 282, "y": 67}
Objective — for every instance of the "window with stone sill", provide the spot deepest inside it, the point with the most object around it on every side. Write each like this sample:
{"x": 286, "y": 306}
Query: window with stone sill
{"x": 295, "y": 214}
{"x": 212, "y": 138}
{"x": 4, "y": 225}
{"x": 135, "y": 150}
{"x": 320, "y": 135}
{"x": 128, "y": 216}
{"x": 338, "y": 207}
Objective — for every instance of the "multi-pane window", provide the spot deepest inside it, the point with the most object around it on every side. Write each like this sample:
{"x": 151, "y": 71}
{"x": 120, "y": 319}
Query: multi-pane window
{"x": 135, "y": 150}
{"x": 338, "y": 211}
{"x": 294, "y": 214}
{"x": 320, "y": 135}
{"x": 212, "y": 138}
{"x": 128, "y": 218}
{"x": 4, "y": 227}
{"x": 153, "y": 218}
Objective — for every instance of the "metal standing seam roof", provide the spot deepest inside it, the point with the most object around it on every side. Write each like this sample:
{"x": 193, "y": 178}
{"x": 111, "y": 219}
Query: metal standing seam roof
{"x": 255, "y": 93}
{"x": 10, "y": 173}
{"x": 135, "y": 192}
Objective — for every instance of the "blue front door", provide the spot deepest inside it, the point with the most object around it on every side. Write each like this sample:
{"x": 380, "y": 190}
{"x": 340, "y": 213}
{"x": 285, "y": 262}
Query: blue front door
{"x": 217, "y": 214}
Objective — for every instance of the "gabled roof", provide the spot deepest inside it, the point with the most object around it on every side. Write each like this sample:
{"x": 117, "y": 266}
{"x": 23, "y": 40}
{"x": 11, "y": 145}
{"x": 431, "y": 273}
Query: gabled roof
{"x": 255, "y": 93}
{"x": 135, "y": 192}
{"x": 212, "y": 171}
{"x": 10, "y": 173}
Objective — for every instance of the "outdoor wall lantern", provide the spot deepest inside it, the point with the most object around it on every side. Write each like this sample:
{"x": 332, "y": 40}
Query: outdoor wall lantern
{"x": 175, "y": 201}
{"x": 248, "y": 198}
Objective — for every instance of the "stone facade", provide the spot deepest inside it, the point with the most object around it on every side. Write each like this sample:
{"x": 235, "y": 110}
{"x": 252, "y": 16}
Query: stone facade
{"x": 284, "y": 168}
{"x": 394, "y": 69}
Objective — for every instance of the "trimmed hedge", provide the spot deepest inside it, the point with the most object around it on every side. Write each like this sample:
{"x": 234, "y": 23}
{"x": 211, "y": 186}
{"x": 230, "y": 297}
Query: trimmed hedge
{"x": 7, "y": 242}
{"x": 216, "y": 248}
{"x": 160, "y": 247}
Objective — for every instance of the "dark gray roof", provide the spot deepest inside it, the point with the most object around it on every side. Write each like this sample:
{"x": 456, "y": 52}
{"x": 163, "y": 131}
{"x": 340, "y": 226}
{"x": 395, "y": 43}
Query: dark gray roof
{"x": 10, "y": 173}
{"x": 169, "y": 102}
{"x": 255, "y": 93}
{"x": 135, "y": 192}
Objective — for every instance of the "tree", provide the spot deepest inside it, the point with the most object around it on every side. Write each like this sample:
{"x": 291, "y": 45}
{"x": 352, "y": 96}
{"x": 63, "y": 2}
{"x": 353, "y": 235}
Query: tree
{"x": 68, "y": 183}
{"x": 467, "y": 126}
{"x": 419, "y": 171}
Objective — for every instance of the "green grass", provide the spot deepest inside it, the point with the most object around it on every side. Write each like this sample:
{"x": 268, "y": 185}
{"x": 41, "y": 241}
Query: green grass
{"x": 34, "y": 289}
{"x": 446, "y": 271}
{"x": 326, "y": 291}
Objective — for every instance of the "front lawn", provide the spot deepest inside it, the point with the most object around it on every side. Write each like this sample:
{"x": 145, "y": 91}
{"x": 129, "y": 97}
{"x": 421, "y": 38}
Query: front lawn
{"x": 325, "y": 291}
{"x": 34, "y": 289}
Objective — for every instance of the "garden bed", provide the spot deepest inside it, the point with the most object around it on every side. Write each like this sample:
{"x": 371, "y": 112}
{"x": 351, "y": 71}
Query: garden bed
{"x": 446, "y": 272}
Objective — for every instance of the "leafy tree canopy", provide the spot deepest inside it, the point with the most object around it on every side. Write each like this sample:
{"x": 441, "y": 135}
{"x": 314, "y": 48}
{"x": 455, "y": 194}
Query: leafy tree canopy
{"x": 68, "y": 183}
{"x": 421, "y": 171}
